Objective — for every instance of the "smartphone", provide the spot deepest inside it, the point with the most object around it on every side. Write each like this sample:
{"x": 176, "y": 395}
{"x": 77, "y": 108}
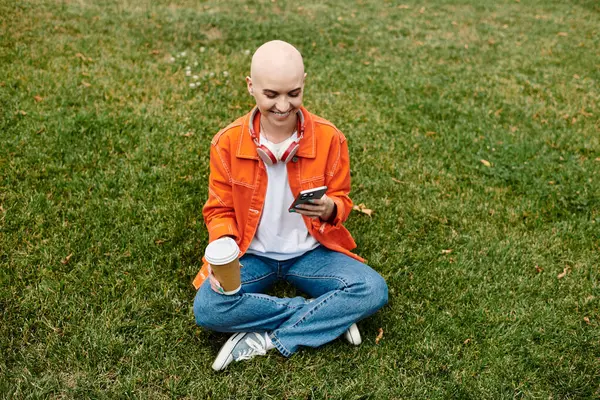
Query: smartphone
{"x": 309, "y": 194}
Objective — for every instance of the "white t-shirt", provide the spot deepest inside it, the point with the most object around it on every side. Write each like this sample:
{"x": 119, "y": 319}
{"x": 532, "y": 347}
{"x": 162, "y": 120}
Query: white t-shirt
{"x": 280, "y": 235}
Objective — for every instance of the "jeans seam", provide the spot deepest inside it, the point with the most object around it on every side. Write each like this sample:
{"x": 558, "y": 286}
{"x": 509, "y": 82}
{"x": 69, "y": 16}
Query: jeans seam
{"x": 279, "y": 346}
{"x": 322, "y": 277}
{"x": 258, "y": 279}
{"x": 312, "y": 311}
{"x": 273, "y": 301}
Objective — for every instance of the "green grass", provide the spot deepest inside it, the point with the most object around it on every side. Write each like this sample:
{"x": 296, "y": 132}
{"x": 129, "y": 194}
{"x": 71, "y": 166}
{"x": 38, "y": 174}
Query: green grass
{"x": 99, "y": 170}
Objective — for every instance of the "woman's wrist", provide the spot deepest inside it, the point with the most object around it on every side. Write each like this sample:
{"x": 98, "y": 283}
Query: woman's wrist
{"x": 329, "y": 216}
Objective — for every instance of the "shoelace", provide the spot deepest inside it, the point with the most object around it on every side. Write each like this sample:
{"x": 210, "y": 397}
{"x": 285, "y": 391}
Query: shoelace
{"x": 254, "y": 348}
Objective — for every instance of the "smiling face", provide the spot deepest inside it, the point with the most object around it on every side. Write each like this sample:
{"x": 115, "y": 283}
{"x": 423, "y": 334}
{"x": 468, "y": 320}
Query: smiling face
{"x": 277, "y": 85}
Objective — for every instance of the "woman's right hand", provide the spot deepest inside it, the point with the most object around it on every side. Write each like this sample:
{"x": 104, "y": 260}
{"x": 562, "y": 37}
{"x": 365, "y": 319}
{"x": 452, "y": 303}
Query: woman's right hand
{"x": 214, "y": 283}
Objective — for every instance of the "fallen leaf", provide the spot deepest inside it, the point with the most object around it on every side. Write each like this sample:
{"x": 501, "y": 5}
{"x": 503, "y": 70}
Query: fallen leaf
{"x": 155, "y": 52}
{"x": 189, "y": 134}
{"x": 513, "y": 129}
{"x": 562, "y": 274}
{"x": 422, "y": 10}
{"x": 447, "y": 251}
{"x": 21, "y": 112}
{"x": 597, "y": 159}
{"x": 538, "y": 269}
{"x": 430, "y": 133}
{"x": 584, "y": 113}
{"x": 379, "y": 336}
{"x": 363, "y": 209}
{"x": 41, "y": 130}
{"x": 587, "y": 320}
{"x": 86, "y": 84}
{"x": 563, "y": 34}
{"x": 467, "y": 341}
{"x": 366, "y": 62}
{"x": 38, "y": 98}
{"x": 403, "y": 7}
{"x": 498, "y": 112}
{"x": 159, "y": 241}
{"x": 82, "y": 57}
{"x": 576, "y": 76}
{"x": 127, "y": 254}
{"x": 66, "y": 260}
{"x": 486, "y": 163}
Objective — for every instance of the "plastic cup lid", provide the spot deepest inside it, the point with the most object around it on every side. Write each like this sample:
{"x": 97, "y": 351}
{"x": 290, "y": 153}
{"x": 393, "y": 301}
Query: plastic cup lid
{"x": 221, "y": 251}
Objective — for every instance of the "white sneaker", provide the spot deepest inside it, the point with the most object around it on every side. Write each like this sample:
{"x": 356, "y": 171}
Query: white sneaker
{"x": 352, "y": 335}
{"x": 240, "y": 346}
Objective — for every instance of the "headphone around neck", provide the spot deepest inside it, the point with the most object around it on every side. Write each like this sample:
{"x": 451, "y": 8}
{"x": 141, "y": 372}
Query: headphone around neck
{"x": 269, "y": 155}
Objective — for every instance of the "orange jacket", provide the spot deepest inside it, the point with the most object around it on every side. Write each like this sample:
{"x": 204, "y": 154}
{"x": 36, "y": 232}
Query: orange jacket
{"x": 238, "y": 184}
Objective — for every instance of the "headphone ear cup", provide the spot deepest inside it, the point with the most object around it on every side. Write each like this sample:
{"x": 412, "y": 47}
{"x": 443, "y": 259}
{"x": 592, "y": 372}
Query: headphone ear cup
{"x": 290, "y": 152}
{"x": 266, "y": 155}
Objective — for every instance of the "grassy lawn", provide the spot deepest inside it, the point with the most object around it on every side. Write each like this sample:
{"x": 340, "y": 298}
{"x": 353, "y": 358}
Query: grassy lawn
{"x": 474, "y": 135}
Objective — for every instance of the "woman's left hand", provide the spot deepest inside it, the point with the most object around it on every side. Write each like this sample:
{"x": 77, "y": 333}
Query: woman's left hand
{"x": 321, "y": 208}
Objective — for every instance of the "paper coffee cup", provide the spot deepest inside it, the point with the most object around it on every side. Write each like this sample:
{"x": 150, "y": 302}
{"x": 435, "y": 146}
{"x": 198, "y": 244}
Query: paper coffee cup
{"x": 222, "y": 255}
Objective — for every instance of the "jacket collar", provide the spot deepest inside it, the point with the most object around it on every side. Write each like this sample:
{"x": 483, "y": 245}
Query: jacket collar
{"x": 308, "y": 144}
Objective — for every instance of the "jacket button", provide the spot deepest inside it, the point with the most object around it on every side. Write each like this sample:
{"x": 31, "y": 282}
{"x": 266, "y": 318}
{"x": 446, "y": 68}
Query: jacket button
{"x": 294, "y": 159}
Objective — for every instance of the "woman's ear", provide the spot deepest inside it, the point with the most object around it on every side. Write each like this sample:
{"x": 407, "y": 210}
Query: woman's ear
{"x": 249, "y": 84}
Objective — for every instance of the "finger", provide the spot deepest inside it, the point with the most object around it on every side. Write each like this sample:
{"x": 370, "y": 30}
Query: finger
{"x": 309, "y": 207}
{"x": 304, "y": 211}
{"x": 214, "y": 284}
{"x": 317, "y": 201}
{"x": 311, "y": 213}
{"x": 308, "y": 213}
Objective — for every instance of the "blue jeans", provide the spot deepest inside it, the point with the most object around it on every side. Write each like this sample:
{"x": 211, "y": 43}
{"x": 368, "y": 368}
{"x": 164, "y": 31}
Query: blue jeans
{"x": 344, "y": 291}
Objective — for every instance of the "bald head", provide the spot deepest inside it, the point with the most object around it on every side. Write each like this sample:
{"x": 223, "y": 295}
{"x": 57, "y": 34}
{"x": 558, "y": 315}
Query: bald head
{"x": 277, "y": 60}
{"x": 276, "y": 82}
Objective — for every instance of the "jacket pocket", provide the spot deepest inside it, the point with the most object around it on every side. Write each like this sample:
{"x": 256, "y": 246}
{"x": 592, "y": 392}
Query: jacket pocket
{"x": 312, "y": 182}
